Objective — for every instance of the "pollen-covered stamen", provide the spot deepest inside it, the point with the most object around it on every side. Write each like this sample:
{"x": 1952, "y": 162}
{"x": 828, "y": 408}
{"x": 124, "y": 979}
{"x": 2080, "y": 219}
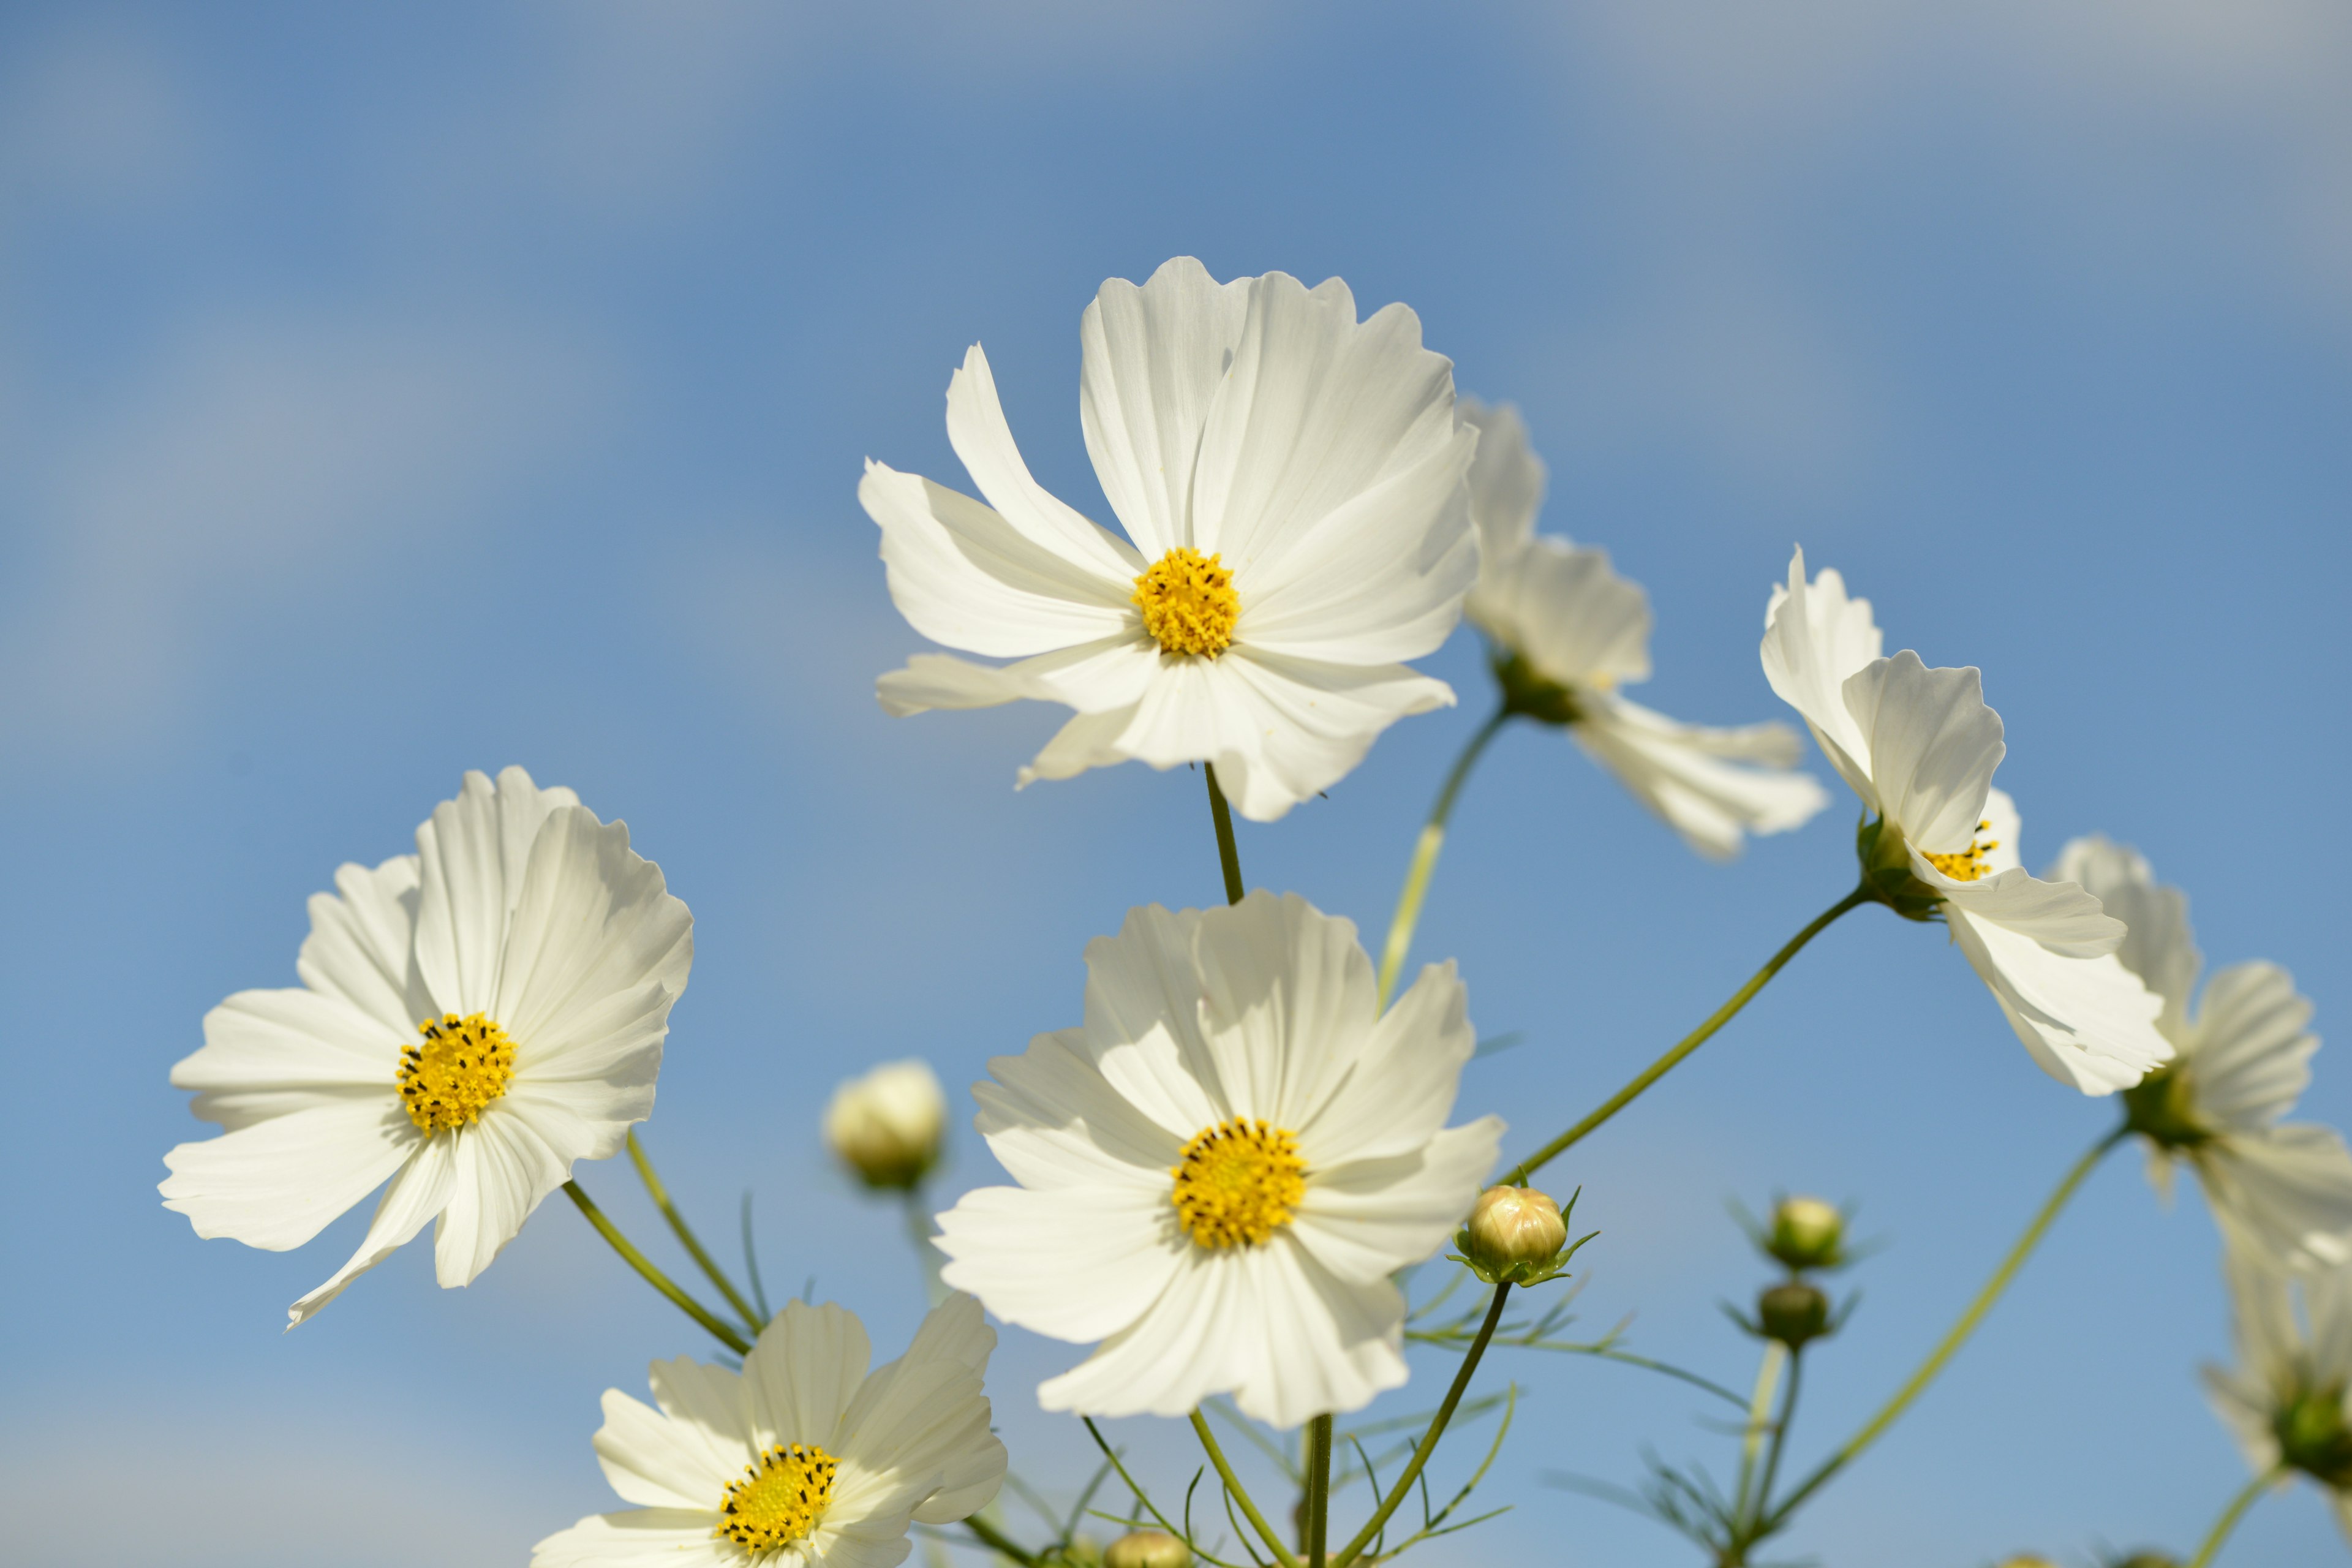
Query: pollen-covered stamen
{"x": 1188, "y": 602}
{"x": 1237, "y": 1182}
{"x": 463, "y": 1065}
{"x": 780, "y": 1500}
{"x": 1968, "y": 865}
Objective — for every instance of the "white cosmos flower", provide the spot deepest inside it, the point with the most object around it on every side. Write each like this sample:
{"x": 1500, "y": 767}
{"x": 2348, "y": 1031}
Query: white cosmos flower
{"x": 1291, "y": 480}
{"x": 2289, "y": 1399}
{"x": 472, "y": 1019}
{"x": 1223, "y": 1166}
{"x": 1919, "y": 746}
{"x": 1567, "y": 631}
{"x": 804, "y": 1457}
{"x": 2243, "y": 1055}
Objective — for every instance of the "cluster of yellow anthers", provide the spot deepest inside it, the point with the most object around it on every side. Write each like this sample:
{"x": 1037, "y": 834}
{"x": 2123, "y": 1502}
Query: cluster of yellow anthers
{"x": 463, "y": 1065}
{"x": 1968, "y": 865}
{"x": 1237, "y": 1182}
{"x": 1189, "y": 603}
{"x": 780, "y": 1500}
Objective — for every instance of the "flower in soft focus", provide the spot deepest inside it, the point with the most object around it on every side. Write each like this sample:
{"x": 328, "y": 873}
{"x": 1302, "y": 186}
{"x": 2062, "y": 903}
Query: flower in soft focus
{"x": 1806, "y": 1233}
{"x": 1223, "y": 1166}
{"x": 1290, "y": 480}
{"x": 1919, "y": 746}
{"x": 472, "y": 1019}
{"x": 2243, "y": 1055}
{"x": 2286, "y": 1401}
{"x": 1567, "y": 631}
{"x": 886, "y": 1126}
{"x": 1793, "y": 1312}
{"x": 1148, "y": 1548}
{"x": 803, "y": 1456}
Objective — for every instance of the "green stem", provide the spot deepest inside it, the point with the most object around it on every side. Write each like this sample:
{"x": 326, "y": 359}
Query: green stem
{"x": 1694, "y": 1040}
{"x": 1319, "y": 1491}
{"x": 655, "y": 1277}
{"x": 996, "y": 1540}
{"x": 1424, "y": 856}
{"x": 1959, "y": 1334}
{"x": 660, "y": 1195}
{"x": 1428, "y": 1444}
{"x": 1282, "y": 1554}
{"x": 2232, "y": 1514}
{"x": 1229, "y": 855}
{"x": 1780, "y": 1438}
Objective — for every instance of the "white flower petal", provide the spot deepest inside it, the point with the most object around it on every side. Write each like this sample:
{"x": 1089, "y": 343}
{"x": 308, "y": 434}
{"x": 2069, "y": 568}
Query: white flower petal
{"x": 1327, "y": 1346}
{"x": 964, "y": 575}
{"x": 2248, "y": 1056}
{"x": 419, "y": 1191}
{"x": 1070, "y": 1264}
{"x": 2157, "y": 945}
{"x": 2087, "y": 1021}
{"x": 1507, "y": 485}
{"x": 1192, "y": 1339}
{"x": 642, "y": 1538}
{"x": 1317, "y": 409}
{"x": 1366, "y": 1219}
{"x": 2287, "y": 1189}
{"x": 473, "y": 851}
{"x": 1565, "y": 610}
{"x": 1815, "y": 638}
{"x": 505, "y": 1169}
{"x": 1679, "y": 773}
{"x": 1142, "y": 1027}
{"x": 1087, "y": 741}
{"x": 360, "y": 944}
{"x": 668, "y": 1457}
{"x": 1152, "y": 359}
{"x": 1111, "y": 672}
{"x": 924, "y": 1415}
{"x": 276, "y": 1183}
{"x": 803, "y": 1372}
{"x": 1052, "y": 1120}
{"x": 597, "y": 951}
{"x": 869, "y": 1544}
{"x": 1288, "y": 1002}
{"x": 1403, "y": 1079}
{"x": 268, "y": 1053}
{"x": 982, "y": 438}
{"x": 1933, "y": 745}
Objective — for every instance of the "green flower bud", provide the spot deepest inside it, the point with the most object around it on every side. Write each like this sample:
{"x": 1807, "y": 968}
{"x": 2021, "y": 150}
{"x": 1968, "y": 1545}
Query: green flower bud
{"x": 1515, "y": 1225}
{"x": 2145, "y": 1560}
{"x": 1792, "y": 1312}
{"x": 1082, "y": 1552}
{"x": 1807, "y": 1233}
{"x": 2313, "y": 1437}
{"x": 888, "y": 1127}
{"x": 1147, "y": 1548}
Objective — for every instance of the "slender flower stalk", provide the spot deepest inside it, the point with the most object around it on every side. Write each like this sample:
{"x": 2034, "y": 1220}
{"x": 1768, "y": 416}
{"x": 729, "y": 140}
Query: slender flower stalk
{"x": 1425, "y": 851}
{"x": 1319, "y": 1491}
{"x": 1692, "y": 1041}
{"x": 655, "y": 1277}
{"x": 1948, "y": 1346}
{"x": 1428, "y": 1444}
{"x": 1229, "y": 855}
{"x": 1234, "y": 1489}
{"x": 1759, "y": 1421}
{"x": 685, "y": 1233}
{"x": 2235, "y": 1511}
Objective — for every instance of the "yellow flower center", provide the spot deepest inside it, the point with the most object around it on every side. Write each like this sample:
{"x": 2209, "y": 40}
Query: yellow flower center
{"x": 463, "y": 1065}
{"x": 1188, "y": 602}
{"x": 1236, "y": 1183}
{"x": 778, "y": 1500}
{"x": 1968, "y": 865}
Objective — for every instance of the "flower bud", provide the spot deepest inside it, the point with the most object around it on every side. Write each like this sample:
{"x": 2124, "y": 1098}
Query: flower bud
{"x": 2145, "y": 1560}
{"x": 1512, "y": 1226}
{"x": 1082, "y": 1552}
{"x": 1792, "y": 1312}
{"x": 1807, "y": 1233}
{"x": 887, "y": 1127}
{"x": 1147, "y": 1548}
{"x": 2026, "y": 1560}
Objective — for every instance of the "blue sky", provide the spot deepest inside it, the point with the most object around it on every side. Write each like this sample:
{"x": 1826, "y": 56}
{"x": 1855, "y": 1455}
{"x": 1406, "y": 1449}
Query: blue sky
{"x": 387, "y": 394}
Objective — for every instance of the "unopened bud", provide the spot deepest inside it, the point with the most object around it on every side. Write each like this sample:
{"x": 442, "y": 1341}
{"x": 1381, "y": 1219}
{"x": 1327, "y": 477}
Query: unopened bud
{"x": 1793, "y": 1313}
{"x": 2026, "y": 1560}
{"x": 2145, "y": 1560}
{"x": 886, "y": 1126}
{"x": 1082, "y": 1552}
{"x": 1513, "y": 1225}
{"x": 1807, "y": 1233}
{"x": 1147, "y": 1548}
